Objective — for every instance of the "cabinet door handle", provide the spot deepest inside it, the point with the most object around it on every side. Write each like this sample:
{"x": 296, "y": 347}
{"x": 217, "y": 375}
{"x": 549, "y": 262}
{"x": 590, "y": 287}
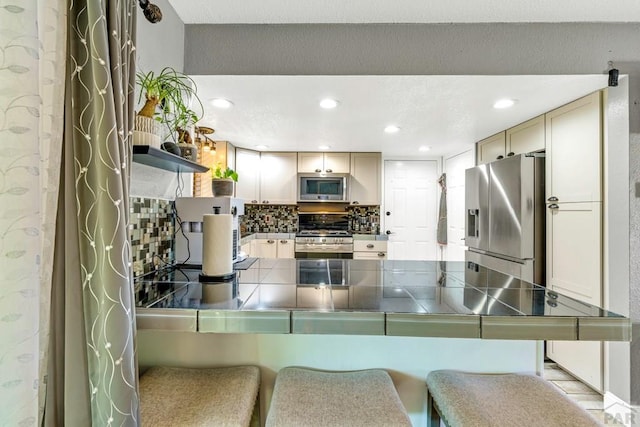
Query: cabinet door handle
{"x": 329, "y": 170}
{"x": 511, "y": 154}
{"x": 284, "y": 242}
{"x": 554, "y": 206}
{"x": 355, "y": 202}
{"x": 370, "y": 245}
{"x": 552, "y": 199}
{"x": 499, "y": 157}
{"x": 254, "y": 201}
{"x": 381, "y": 254}
{"x": 388, "y": 231}
{"x": 265, "y": 201}
{"x": 271, "y": 241}
{"x": 318, "y": 170}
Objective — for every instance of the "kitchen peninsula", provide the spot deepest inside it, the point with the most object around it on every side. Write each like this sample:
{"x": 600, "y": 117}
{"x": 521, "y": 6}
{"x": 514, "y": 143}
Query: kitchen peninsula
{"x": 408, "y": 317}
{"x": 363, "y": 297}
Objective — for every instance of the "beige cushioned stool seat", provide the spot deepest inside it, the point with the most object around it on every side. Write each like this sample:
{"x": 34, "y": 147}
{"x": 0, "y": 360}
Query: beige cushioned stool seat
{"x": 198, "y": 397}
{"x": 469, "y": 399}
{"x": 312, "y": 398}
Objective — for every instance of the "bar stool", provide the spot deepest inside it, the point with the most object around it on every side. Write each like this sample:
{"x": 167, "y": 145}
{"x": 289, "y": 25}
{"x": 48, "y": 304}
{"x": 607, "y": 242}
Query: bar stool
{"x": 314, "y": 398}
{"x": 199, "y": 397}
{"x": 463, "y": 399}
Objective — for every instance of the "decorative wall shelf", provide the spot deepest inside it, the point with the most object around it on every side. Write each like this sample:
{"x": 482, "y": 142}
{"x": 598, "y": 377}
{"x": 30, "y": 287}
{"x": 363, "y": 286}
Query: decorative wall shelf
{"x": 161, "y": 159}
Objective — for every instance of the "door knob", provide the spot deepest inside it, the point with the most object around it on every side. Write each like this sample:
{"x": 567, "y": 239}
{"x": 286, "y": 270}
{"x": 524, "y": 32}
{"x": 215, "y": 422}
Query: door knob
{"x": 388, "y": 231}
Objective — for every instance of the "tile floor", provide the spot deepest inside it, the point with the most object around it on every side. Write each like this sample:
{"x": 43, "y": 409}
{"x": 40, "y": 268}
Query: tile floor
{"x": 586, "y": 397}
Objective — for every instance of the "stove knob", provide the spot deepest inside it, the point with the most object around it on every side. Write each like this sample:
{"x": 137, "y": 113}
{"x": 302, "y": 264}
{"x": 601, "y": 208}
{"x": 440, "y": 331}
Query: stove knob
{"x": 323, "y": 240}
{"x": 338, "y": 240}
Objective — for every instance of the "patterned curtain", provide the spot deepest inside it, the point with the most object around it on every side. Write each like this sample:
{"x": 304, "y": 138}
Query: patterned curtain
{"x": 92, "y": 372}
{"x": 31, "y": 111}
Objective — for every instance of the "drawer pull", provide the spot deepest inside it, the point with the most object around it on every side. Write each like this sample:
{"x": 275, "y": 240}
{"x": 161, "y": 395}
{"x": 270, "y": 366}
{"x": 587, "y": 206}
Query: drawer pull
{"x": 381, "y": 254}
{"x": 271, "y": 241}
{"x": 370, "y": 246}
{"x": 284, "y": 242}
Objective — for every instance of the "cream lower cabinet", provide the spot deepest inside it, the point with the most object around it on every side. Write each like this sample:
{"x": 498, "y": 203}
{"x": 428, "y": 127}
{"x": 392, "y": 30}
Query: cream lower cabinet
{"x": 264, "y": 248}
{"x": 574, "y": 268}
{"x": 246, "y": 248}
{"x": 273, "y": 248}
{"x": 365, "y": 183}
{"x": 574, "y": 248}
{"x": 369, "y": 249}
{"x": 286, "y": 248}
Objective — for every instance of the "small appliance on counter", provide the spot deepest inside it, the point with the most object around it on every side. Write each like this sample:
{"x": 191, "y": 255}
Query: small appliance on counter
{"x": 190, "y": 219}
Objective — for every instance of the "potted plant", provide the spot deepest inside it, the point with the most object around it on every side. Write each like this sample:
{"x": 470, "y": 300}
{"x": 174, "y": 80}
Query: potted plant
{"x": 223, "y": 181}
{"x": 180, "y": 123}
{"x": 167, "y": 96}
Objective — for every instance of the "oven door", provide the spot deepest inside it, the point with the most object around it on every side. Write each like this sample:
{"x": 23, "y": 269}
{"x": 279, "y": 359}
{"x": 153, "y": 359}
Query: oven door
{"x": 322, "y": 272}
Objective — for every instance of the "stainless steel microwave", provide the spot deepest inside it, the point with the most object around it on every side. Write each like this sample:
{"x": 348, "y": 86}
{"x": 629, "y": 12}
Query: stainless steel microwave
{"x": 323, "y": 187}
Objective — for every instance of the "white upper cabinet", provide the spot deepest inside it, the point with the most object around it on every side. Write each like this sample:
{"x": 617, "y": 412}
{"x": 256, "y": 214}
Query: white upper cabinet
{"x": 365, "y": 182}
{"x": 527, "y": 137}
{"x": 323, "y": 162}
{"x": 490, "y": 149}
{"x": 248, "y": 168}
{"x": 574, "y": 146}
{"x": 278, "y": 178}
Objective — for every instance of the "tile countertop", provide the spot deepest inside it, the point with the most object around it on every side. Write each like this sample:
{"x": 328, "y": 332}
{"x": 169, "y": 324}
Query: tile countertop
{"x": 362, "y": 297}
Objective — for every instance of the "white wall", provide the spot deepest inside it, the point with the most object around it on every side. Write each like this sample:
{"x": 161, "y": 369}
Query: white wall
{"x": 454, "y": 167}
{"x": 158, "y": 46}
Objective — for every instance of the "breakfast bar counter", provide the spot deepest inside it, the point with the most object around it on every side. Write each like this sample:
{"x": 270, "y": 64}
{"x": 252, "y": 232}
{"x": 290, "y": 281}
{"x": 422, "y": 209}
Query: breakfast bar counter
{"x": 370, "y": 297}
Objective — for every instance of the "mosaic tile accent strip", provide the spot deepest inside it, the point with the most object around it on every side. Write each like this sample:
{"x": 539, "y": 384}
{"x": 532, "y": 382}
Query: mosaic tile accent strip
{"x": 364, "y": 219}
{"x": 269, "y": 219}
{"x": 151, "y": 230}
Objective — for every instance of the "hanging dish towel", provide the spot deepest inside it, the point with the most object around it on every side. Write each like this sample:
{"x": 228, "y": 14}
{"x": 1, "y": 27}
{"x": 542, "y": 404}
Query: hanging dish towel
{"x": 442, "y": 215}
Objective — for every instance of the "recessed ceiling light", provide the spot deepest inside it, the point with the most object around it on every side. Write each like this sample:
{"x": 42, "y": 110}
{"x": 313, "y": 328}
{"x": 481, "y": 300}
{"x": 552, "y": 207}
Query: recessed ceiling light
{"x": 262, "y": 147}
{"x": 391, "y": 129}
{"x": 503, "y": 103}
{"x": 424, "y": 148}
{"x": 323, "y": 147}
{"x": 221, "y": 103}
{"x": 328, "y": 103}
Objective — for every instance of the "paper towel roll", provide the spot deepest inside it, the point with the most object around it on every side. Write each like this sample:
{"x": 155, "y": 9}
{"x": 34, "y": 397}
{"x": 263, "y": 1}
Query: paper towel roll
{"x": 217, "y": 245}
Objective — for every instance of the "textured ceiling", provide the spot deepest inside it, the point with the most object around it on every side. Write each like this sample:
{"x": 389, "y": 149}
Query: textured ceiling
{"x": 403, "y": 11}
{"x": 446, "y": 113}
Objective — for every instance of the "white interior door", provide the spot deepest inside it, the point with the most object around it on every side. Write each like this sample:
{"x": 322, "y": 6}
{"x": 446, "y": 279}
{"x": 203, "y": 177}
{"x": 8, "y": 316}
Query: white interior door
{"x": 411, "y": 208}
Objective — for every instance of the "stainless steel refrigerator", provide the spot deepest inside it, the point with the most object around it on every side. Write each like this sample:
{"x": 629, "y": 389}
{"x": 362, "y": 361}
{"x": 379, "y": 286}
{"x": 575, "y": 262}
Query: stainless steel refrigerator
{"x": 505, "y": 216}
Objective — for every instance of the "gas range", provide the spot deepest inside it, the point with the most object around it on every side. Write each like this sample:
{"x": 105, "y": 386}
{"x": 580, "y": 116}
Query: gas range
{"x": 325, "y": 243}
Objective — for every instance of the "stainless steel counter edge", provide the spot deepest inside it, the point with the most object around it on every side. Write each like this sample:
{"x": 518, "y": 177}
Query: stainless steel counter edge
{"x": 380, "y": 323}
{"x": 433, "y": 325}
{"x": 256, "y": 322}
{"x": 167, "y": 319}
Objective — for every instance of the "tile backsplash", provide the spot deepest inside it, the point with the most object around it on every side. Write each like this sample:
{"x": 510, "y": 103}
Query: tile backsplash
{"x": 284, "y": 219}
{"x": 269, "y": 219}
{"x": 364, "y": 219}
{"x": 151, "y": 230}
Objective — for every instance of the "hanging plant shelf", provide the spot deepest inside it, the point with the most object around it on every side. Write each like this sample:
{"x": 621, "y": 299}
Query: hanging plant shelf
{"x": 161, "y": 159}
